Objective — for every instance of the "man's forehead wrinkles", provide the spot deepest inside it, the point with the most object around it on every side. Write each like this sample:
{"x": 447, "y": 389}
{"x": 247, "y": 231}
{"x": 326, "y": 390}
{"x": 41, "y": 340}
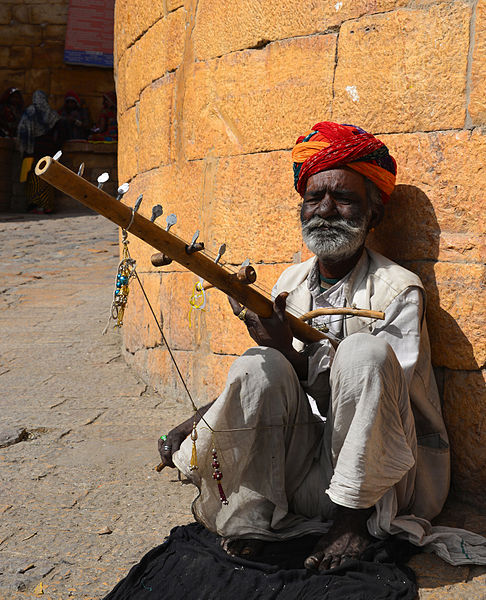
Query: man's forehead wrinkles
{"x": 333, "y": 188}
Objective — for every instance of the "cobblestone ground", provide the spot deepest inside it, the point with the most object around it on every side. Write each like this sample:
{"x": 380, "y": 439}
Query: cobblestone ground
{"x": 80, "y": 502}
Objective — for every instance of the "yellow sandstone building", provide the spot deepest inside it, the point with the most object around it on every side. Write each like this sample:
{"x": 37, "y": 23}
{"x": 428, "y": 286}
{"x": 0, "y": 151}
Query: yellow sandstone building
{"x": 212, "y": 95}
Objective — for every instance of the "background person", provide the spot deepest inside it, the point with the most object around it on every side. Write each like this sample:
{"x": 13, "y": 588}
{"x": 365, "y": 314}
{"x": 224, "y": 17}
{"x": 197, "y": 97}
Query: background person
{"x": 39, "y": 134}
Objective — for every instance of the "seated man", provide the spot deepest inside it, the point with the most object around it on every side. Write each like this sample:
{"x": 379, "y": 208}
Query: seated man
{"x": 345, "y": 438}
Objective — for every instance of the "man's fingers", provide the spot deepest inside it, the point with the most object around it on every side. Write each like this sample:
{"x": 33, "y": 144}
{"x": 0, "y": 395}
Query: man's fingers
{"x": 326, "y": 563}
{"x": 313, "y": 561}
{"x": 280, "y": 304}
{"x": 236, "y": 306}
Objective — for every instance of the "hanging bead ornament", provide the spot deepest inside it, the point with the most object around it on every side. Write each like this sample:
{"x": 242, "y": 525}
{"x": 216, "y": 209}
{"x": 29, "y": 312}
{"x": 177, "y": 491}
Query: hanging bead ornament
{"x": 193, "y": 466}
{"x": 197, "y": 299}
{"x": 125, "y": 272}
{"x": 218, "y": 475}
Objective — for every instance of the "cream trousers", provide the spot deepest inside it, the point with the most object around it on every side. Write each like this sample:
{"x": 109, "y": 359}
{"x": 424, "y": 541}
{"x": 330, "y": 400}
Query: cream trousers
{"x": 282, "y": 465}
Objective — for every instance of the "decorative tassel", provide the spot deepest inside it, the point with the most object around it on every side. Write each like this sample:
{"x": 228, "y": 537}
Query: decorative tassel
{"x": 125, "y": 272}
{"x": 197, "y": 299}
{"x": 218, "y": 475}
{"x": 193, "y": 465}
{"x": 222, "y": 495}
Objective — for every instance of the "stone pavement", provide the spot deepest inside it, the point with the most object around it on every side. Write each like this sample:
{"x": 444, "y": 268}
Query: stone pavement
{"x": 80, "y": 501}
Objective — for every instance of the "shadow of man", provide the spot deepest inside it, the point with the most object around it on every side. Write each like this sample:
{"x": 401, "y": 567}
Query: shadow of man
{"x": 411, "y": 236}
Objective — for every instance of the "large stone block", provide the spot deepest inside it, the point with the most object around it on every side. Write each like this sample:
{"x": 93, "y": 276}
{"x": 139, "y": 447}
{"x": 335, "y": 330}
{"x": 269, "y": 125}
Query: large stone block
{"x": 127, "y": 144}
{"x": 21, "y": 13}
{"x": 404, "y": 70}
{"x": 54, "y": 32}
{"x": 50, "y": 53}
{"x": 64, "y": 2}
{"x": 169, "y": 295}
{"x": 255, "y": 209}
{"x": 131, "y": 22}
{"x": 141, "y": 328}
{"x": 456, "y": 302}
{"x": 37, "y": 79}
{"x": 132, "y": 326}
{"x": 181, "y": 324}
{"x": 180, "y": 190}
{"x": 159, "y": 371}
{"x": 213, "y": 371}
{"x": 464, "y": 410}
{"x": 55, "y": 14}
{"x": 204, "y": 374}
{"x": 14, "y": 79}
{"x": 155, "y": 119}
{"x": 120, "y": 69}
{"x": 5, "y": 14}
{"x": 252, "y": 23}
{"x": 258, "y": 99}
{"x": 96, "y": 80}
{"x": 174, "y": 4}
{"x": 20, "y": 35}
{"x": 441, "y": 179}
{"x": 20, "y": 57}
{"x": 4, "y": 55}
{"x": 477, "y": 99}
{"x": 159, "y": 50}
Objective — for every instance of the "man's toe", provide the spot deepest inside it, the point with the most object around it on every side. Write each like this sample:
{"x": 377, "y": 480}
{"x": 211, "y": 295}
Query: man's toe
{"x": 313, "y": 561}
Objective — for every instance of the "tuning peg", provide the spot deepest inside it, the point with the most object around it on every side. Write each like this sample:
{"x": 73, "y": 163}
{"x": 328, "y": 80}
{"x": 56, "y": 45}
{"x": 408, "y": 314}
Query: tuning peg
{"x": 81, "y": 170}
{"x": 157, "y": 210}
{"x": 122, "y": 190}
{"x": 160, "y": 260}
{"x": 194, "y": 246}
{"x": 171, "y": 220}
{"x": 103, "y": 178}
{"x": 221, "y": 251}
{"x": 58, "y": 155}
{"x": 246, "y": 274}
{"x": 137, "y": 203}
{"x": 245, "y": 263}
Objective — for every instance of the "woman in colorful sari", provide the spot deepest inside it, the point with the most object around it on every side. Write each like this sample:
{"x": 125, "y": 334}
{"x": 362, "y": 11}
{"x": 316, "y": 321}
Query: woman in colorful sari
{"x": 38, "y": 136}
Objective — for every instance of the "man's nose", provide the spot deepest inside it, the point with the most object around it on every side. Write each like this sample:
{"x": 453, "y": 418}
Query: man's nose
{"x": 326, "y": 207}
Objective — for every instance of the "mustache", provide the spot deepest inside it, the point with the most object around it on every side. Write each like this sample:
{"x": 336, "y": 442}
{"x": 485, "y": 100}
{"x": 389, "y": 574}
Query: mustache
{"x": 332, "y": 223}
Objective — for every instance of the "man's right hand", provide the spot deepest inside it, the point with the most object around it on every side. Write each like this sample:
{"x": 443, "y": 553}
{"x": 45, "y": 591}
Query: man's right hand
{"x": 167, "y": 447}
{"x": 176, "y": 436}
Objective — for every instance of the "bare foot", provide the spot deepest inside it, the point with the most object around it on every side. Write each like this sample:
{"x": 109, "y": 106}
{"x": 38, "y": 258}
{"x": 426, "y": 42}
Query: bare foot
{"x": 242, "y": 548}
{"x": 347, "y": 539}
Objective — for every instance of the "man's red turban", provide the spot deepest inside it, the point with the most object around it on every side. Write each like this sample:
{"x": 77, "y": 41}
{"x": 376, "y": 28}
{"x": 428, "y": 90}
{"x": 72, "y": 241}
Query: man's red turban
{"x": 330, "y": 146}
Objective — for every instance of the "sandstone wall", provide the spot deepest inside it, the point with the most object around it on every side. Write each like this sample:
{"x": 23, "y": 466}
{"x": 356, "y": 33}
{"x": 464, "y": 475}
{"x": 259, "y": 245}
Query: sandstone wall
{"x": 212, "y": 96}
{"x": 32, "y": 36}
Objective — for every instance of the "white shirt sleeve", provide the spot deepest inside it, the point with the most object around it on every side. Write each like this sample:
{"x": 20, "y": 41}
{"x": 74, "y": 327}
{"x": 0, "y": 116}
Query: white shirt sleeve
{"x": 402, "y": 328}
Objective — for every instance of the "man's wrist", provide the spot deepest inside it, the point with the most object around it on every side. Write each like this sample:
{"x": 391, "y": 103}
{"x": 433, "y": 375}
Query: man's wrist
{"x": 299, "y": 361}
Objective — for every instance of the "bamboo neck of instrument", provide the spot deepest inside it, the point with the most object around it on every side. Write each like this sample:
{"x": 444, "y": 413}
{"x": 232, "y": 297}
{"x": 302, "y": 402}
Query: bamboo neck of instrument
{"x": 88, "y": 194}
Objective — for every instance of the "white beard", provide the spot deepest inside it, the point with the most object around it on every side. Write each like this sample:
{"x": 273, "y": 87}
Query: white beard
{"x": 335, "y": 239}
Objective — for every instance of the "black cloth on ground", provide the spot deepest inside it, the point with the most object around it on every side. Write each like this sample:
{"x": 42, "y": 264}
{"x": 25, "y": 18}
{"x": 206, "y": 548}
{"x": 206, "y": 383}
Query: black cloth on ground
{"x": 191, "y": 565}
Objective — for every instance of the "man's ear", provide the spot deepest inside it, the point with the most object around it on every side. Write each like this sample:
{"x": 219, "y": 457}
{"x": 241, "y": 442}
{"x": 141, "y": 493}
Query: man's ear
{"x": 376, "y": 216}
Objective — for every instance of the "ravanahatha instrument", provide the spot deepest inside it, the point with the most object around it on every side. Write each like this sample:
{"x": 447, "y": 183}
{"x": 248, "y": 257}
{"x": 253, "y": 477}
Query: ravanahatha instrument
{"x": 190, "y": 255}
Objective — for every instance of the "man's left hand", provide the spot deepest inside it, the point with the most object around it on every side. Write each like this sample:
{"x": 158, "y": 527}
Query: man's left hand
{"x": 273, "y": 332}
